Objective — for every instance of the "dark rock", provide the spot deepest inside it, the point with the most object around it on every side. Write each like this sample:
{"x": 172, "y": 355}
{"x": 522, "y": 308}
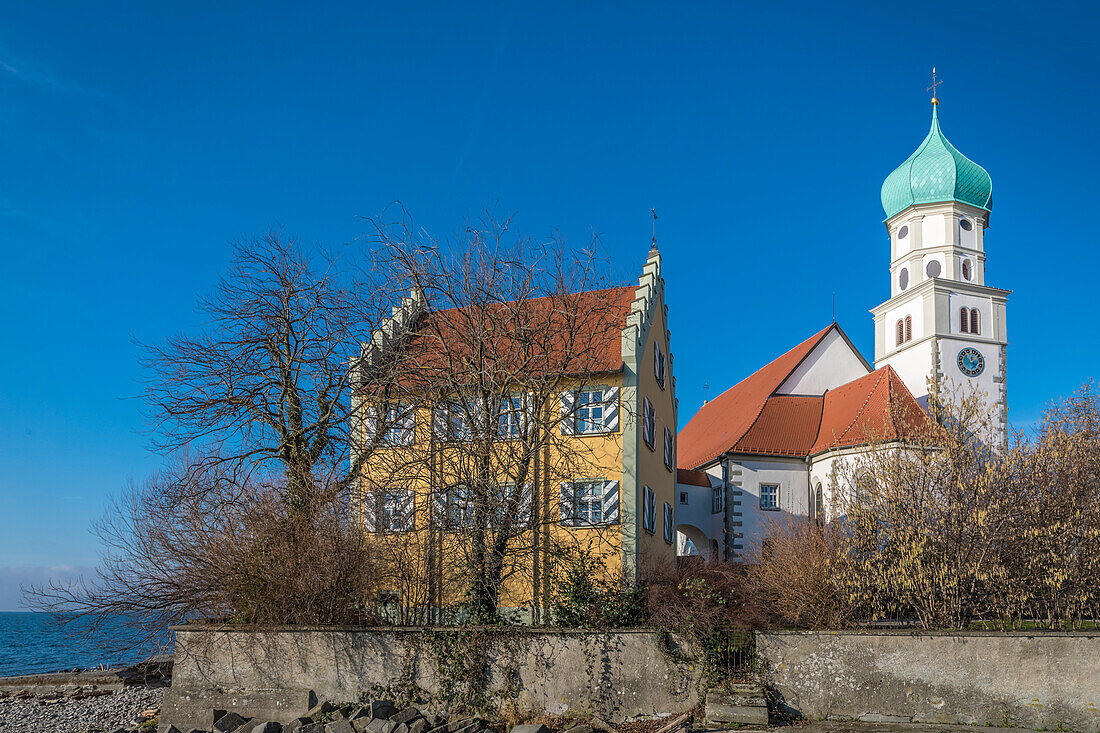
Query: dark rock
{"x": 458, "y": 725}
{"x": 399, "y": 728}
{"x": 312, "y": 728}
{"x": 531, "y": 728}
{"x": 361, "y": 725}
{"x": 268, "y": 727}
{"x": 382, "y": 708}
{"x": 420, "y": 725}
{"x": 581, "y": 729}
{"x": 294, "y": 725}
{"x": 339, "y": 726}
{"x": 377, "y": 724}
{"x": 407, "y": 715}
{"x": 229, "y": 723}
{"x": 360, "y": 712}
{"x": 320, "y": 710}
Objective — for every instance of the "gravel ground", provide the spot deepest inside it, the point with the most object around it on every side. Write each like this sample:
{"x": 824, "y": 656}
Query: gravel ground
{"x": 120, "y": 709}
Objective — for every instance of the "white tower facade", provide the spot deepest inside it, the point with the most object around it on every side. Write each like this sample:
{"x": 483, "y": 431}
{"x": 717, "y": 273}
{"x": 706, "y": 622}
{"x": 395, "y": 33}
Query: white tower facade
{"x": 943, "y": 329}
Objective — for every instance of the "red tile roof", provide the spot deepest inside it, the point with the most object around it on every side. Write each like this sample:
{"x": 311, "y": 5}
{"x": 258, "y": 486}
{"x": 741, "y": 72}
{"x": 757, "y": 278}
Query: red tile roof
{"x": 692, "y": 478}
{"x": 876, "y": 407}
{"x": 723, "y": 421}
{"x": 578, "y": 333}
{"x": 750, "y": 418}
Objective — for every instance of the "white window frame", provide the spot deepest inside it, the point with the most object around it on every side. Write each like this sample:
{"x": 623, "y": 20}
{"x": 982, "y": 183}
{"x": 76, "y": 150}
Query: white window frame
{"x": 511, "y": 421}
{"x": 590, "y": 409}
{"x": 598, "y": 494}
{"x": 649, "y": 510}
{"x": 768, "y": 506}
{"x": 400, "y": 424}
{"x": 392, "y": 517}
{"x": 456, "y": 508}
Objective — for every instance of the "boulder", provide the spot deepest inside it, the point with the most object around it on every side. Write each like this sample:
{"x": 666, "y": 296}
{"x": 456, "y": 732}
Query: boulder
{"x": 268, "y": 727}
{"x": 381, "y": 708}
{"x": 420, "y": 725}
{"x": 321, "y": 709}
{"x": 407, "y": 715}
{"x": 339, "y": 726}
{"x": 531, "y": 728}
{"x": 378, "y": 725}
{"x": 229, "y": 723}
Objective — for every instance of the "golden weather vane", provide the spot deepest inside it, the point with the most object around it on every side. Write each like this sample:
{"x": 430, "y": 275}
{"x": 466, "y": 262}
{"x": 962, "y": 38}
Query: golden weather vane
{"x": 934, "y": 85}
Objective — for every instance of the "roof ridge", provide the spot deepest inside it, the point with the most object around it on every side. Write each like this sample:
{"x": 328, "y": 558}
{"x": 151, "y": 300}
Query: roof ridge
{"x": 764, "y": 403}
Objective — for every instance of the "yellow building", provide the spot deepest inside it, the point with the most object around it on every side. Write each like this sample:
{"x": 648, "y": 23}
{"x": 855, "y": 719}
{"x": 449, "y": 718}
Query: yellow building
{"x": 580, "y": 448}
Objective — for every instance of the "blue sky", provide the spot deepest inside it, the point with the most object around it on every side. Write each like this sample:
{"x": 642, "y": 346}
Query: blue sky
{"x": 137, "y": 141}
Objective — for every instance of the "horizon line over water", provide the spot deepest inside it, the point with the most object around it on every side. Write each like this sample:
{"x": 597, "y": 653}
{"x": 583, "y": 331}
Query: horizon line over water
{"x": 34, "y": 643}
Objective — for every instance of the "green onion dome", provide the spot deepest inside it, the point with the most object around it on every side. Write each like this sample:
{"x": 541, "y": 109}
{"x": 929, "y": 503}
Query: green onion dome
{"x": 935, "y": 173}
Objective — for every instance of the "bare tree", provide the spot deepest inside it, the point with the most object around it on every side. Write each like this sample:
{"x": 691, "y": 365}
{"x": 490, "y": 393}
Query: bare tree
{"x": 265, "y": 388}
{"x": 251, "y": 518}
{"x": 504, "y": 326}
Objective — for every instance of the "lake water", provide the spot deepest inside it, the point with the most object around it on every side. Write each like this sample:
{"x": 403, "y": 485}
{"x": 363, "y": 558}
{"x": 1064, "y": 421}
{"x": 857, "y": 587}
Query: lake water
{"x": 32, "y": 642}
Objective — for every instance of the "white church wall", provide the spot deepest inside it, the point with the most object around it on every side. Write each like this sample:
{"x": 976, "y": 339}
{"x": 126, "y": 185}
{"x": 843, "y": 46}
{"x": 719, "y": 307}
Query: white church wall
{"x": 790, "y": 475}
{"x": 911, "y": 308}
{"x": 957, "y": 301}
{"x": 831, "y": 364}
{"x": 933, "y": 230}
{"x": 914, "y": 366}
{"x": 695, "y": 518}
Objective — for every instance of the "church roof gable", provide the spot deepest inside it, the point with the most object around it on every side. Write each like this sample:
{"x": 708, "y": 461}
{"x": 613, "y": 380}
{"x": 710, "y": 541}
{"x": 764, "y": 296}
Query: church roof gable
{"x": 751, "y": 418}
{"x": 722, "y": 422}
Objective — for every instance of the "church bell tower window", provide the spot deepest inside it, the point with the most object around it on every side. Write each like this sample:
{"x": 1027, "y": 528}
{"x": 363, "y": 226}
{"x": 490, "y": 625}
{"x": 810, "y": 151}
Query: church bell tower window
{"x": 903, "y": 278}
{"x": 975, "y": 321}
{"x": 964, "y": 320}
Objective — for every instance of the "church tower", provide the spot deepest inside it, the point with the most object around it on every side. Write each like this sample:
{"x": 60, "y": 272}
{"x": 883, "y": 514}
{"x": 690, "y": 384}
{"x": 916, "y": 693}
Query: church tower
{"x": 943, "y": 327}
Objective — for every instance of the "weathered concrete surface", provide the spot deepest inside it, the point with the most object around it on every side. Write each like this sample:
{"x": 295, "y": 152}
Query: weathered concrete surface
{"x": 736, "y": 704}
{"x": 1038, "y": 680}
{"x": 616, "y": 675}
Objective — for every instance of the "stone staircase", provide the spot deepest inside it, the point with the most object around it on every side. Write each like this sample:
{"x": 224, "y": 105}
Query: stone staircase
{"x": 737, "y": 704}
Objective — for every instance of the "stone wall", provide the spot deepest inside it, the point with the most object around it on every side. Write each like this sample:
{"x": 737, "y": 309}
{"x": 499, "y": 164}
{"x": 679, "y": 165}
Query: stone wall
{"x": 278, "y": 673}
{"x": 1040, "y": 680}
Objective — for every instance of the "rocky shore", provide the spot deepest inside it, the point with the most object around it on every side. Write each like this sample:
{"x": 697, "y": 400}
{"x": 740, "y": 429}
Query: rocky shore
{"x": 88, "y": 701}
{"x": 80, "y": 710}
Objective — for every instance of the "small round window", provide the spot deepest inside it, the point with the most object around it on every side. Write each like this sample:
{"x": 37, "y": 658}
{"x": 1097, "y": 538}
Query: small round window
{"x": 903, "y": 278}
{"x": 966, "y": 269}
{"x": 903, "y": 232}
{"x": 965, "y": 225}
{"x": 933, "y": 268}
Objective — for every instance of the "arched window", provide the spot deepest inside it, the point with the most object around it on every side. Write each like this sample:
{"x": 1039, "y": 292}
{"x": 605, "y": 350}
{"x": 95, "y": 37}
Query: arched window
{"x": 964, "y": 320}
{"x": 975, "y": 321}
{"x": 909, "y": 328}
{"x": 966, "y": 269}
{"x": 901, "y": 332}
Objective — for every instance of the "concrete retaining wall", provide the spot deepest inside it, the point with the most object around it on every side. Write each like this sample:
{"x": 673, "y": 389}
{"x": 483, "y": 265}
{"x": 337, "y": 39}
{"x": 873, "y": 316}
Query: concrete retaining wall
{"x": 278, "y": 673}
{"x": 1045, "y": 680}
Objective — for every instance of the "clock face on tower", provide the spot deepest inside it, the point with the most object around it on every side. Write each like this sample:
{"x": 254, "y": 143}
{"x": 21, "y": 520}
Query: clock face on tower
{"x": 971, "y": 362}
